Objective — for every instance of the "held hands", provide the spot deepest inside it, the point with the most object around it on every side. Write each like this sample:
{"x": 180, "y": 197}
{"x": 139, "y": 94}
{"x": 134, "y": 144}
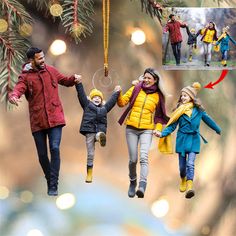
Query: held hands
{"x": 117, "y": 88}
{"x": 14, "y": 100}
{"x": 157, "y": 133}
{"x": 135, "y": 82}
{"x": 78, "y": 79}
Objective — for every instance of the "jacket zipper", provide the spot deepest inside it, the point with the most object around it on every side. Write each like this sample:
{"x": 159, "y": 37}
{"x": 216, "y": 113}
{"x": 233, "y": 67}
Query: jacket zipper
{"x": 44, "y": 98}
{"x": 142, "y": 111}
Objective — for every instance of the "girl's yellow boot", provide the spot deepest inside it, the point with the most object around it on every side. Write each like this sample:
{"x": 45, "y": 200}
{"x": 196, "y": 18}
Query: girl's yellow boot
{"x": 189, "y": 190}
{"x": 183, "y": 184}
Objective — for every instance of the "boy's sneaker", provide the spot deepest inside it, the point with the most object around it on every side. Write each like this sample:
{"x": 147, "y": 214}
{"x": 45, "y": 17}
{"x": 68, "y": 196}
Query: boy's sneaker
{"x": 101, "y": 137}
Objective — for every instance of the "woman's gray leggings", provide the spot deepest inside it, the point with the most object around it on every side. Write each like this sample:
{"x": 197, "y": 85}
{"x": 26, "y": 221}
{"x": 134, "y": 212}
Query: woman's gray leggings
{"x": 144, "y": 138}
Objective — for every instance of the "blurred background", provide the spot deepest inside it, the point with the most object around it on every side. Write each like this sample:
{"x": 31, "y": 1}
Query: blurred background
{"x": 103, "y": 207}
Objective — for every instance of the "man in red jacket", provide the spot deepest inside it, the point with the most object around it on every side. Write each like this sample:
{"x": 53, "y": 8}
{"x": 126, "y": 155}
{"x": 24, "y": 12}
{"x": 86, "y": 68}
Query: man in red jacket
{"x": 39, "y": 83}
{"x": 173, "y": 26}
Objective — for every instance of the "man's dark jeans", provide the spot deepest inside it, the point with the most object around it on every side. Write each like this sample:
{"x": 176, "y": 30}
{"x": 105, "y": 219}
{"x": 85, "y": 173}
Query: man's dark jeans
{"x": 50, "y": 168}
{"x": 176, "y": 47}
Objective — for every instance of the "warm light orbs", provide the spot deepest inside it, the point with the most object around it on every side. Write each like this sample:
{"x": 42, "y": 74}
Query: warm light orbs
{"x": 58, "y": 47}
{"x": 138, "y": 37}
{"x": 56, "y": 9}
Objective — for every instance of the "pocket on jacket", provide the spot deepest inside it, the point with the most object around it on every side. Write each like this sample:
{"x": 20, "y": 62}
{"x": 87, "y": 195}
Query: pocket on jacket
{"x": 55, "y": 106}
{"x": 35, "y": 114}
{"x": 36, "y": 108}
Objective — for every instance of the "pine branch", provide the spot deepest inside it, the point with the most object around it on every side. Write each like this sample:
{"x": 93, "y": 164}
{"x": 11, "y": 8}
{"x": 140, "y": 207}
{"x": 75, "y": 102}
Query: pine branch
{"x": 76, "y": 18}
{"x": 12, "y": 50}
{"x": 154, "y": 8}
{"x": 16, "y": 11}
{"x": 174, "y": 3}
{"x": 12, "y": 45}
{"x": 40, "y": 4}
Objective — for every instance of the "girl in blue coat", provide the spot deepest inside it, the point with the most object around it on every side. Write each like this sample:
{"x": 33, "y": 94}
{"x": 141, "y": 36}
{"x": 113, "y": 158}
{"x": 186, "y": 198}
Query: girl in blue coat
{"x": 224, "y": 40}
{"x": 188, "y": 114}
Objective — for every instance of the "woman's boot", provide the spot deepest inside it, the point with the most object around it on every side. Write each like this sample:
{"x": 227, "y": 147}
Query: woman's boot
{"x": 132, "y": 188}
{"x": 141, "y": 189}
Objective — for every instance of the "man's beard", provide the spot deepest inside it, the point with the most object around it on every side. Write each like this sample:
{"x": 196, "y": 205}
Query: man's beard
{"x": 40, "y": 66}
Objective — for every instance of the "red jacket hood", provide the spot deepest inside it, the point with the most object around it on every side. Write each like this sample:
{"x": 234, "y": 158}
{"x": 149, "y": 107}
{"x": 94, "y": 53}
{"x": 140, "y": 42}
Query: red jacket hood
{"x": 27, "y": 68}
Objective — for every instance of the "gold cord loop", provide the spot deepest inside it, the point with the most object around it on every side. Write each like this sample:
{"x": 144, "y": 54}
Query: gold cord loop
{"x": 106, "y": 14}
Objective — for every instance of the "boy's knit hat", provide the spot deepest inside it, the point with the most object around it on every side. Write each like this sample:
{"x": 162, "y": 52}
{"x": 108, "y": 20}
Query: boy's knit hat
{"x": 192, "y": 90}
{"x": 95, "y": 92}
{"x": 192, "y": 30}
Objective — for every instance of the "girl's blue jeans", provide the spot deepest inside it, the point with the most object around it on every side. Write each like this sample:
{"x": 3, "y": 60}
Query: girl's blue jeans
{"x": 224, "y": 55}
{"x": 186, "y": 165}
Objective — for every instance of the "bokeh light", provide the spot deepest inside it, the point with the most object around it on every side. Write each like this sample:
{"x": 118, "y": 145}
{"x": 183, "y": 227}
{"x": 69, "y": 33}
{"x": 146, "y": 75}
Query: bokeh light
{"x": 160, "y": 208}
{"x": 58, "y": 47}
{"x": 56, "y": 9}
{"x": 3, "y": 25}
{"x": 34, "y": 232}
{"x": 26, "y": 196}
{"x": 77, "y": 30}
{"x": 25, "y": 30}
{"x": 65, "y": 201}
{"x": 4, "y": 192}
{"x": 138, "y": 37}
{"x": 206, "y": 230}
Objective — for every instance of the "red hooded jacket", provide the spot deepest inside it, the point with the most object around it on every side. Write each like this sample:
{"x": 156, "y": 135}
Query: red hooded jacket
{"x": 41, "y": 90}
{"x": 174, "y": 30}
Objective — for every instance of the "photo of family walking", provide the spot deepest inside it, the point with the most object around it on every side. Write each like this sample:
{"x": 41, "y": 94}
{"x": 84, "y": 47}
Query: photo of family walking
{"x": 199, "y": 38}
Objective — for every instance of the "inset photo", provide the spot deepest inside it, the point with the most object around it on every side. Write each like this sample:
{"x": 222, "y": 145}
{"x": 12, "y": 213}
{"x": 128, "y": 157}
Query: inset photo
{"x": 199, "y": 39}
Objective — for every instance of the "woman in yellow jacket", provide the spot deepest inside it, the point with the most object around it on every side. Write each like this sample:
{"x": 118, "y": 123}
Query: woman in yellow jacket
{"x": 146, "y": 114}
{"x": 209, "y": 34}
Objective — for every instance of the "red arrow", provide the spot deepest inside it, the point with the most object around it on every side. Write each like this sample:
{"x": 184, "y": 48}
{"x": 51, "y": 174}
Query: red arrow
{"x": 222, "y": 76}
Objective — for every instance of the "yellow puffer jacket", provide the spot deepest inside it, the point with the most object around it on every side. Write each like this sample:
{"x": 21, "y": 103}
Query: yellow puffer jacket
{"x": 209, "y": 37}
{"x": 141, "y": 115}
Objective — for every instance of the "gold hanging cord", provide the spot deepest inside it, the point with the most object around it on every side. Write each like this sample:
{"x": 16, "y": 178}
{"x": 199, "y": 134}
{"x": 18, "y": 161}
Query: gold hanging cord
{"x": 105, "y": 14}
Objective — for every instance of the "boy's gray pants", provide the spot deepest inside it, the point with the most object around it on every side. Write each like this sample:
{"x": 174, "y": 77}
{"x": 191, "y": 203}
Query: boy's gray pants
{"x": 190, "y": 49}
{"x": 144, "y": 138}
{"x": 91, "y": 138}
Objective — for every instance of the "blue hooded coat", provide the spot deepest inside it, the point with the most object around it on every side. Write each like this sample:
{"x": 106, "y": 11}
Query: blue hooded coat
{"x": 188, "y": 136}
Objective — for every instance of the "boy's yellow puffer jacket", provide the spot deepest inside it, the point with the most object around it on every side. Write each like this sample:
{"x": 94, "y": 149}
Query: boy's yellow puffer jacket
{"x": 141, "y": 115}
{"x": 209, "y": 37}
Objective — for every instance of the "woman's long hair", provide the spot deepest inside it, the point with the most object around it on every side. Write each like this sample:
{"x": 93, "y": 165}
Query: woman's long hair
{"x": 214, "y": 27}
{"x": 159, "y": 82}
